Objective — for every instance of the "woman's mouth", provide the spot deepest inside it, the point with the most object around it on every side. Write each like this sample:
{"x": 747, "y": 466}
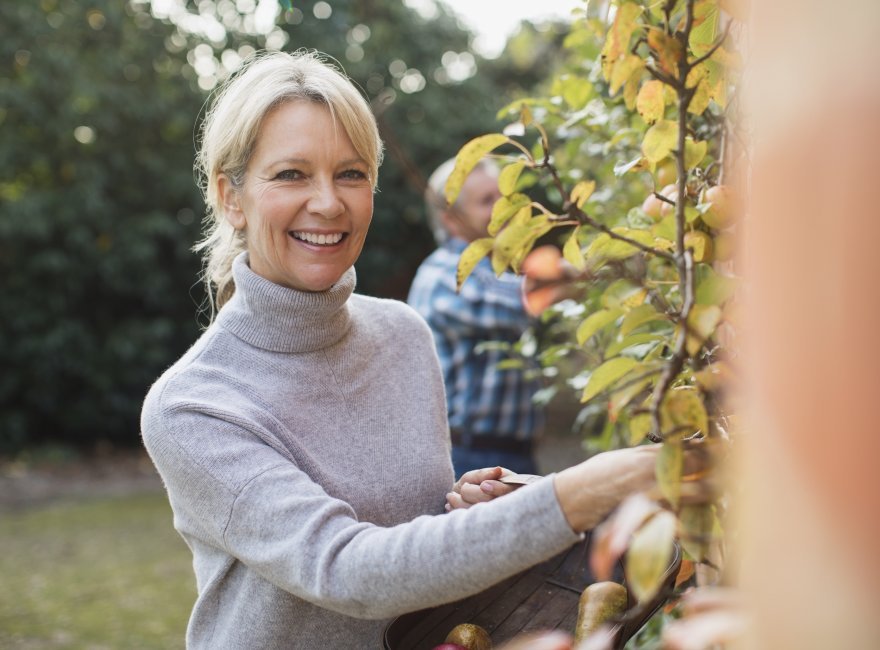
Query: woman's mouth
{"x": 315, "y": 239}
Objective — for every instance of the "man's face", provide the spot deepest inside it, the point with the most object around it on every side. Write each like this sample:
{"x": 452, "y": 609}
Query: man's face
{"x": 469, "y": 217}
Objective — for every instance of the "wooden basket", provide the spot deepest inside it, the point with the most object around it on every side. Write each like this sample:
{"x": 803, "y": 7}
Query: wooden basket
{"x": 544, "y": 597}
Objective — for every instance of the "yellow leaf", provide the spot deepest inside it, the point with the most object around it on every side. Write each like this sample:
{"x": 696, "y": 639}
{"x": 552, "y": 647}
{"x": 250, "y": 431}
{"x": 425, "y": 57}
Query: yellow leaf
{"x": 670, "y": 463}
{"x": 509, "y": 176}
{"x": 683, "y": 413}
{"x": 471, "y": 256}
{"x": 660, "y": 140}
{"x": 631, "y": 91}
{"x": 650, "y": 554}
{"x": 650, "y": 102}
{"x": 507, "y": 244}
{"x": 505, "y": 208}
{"x": 468, "y": 157}
{"x": 581, "y": 192}
{"x": 571, "y": 251}
{"x": 694, "y": 152}
{"x": 624, "y": 69}
{"x": 621, "y": 31}
{"x": 607, "y": 374}
{"x": 639, "y": 427}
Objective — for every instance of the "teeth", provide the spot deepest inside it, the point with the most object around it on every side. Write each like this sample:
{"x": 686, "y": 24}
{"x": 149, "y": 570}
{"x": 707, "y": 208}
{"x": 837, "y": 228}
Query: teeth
{"x": 320, "y": 240}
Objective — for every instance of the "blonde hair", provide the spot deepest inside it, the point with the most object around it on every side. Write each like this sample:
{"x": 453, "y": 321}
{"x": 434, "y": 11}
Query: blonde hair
{"x": 229, "y": 134}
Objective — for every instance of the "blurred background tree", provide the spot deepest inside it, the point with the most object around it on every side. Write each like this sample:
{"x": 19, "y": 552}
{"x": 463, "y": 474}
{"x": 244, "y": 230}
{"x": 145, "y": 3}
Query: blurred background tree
{"x": 99, "y": 104}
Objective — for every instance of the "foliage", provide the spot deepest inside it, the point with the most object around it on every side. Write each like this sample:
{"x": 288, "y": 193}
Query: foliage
{"x": 98, "y": 210}
{"x": 629, "y": 145}
{"x": 99, "y": 103}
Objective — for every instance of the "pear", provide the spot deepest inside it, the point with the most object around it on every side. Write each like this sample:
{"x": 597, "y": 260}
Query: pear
{"x": 471, "y": 636}
{"x": 599, "y": 603}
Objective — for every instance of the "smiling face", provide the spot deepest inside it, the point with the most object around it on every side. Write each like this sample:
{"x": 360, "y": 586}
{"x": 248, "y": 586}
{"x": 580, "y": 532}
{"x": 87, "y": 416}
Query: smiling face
{"x": 306, "y": 201}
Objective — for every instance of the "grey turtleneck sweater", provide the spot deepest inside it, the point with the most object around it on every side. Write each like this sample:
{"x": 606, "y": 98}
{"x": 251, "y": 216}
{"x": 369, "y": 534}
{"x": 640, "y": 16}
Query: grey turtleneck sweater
{"x": 303, "y": 444}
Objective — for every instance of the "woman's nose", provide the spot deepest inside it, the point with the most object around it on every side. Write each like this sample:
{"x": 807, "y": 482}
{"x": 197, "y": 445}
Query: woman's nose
{"x": 325, "y": 200}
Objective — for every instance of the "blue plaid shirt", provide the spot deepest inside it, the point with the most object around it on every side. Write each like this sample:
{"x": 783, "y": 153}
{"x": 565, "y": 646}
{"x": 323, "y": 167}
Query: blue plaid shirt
{"x": 481, "y": 399}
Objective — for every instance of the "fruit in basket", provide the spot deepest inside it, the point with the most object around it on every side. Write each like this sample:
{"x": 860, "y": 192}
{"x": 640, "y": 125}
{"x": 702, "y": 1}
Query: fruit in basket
{"x": 471, "y": 636}
{"x": 600, "y": 602}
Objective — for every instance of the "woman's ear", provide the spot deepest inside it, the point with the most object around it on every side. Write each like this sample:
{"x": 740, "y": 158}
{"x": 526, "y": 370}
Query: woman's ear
{"x": 231, "y": 202}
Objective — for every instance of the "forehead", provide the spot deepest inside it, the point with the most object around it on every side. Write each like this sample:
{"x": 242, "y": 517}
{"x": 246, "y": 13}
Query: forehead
{"x": 304, "y": 128}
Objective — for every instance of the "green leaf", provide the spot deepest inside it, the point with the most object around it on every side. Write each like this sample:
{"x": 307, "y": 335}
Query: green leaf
{"x": 596, "y": 321}
{"x": 650, "y": 102}
{"x": 576, "y": 91}
{"x": 623, "y": 396}
{"x": 468, "y": 157}
{"x": 639, "y": 316}
{"x": 713, "y": 288}
{"x": 670, "y": 463}
{"x": 636, "y": 339}
{"x": 505, "y": 208}
{"x": 606, "y": 374}
{"x": 623, "y": 293}
{"x": 471, "y": 256}
{"x": 694, "y": 152}
{"x": 581, "y": 192}
{"x": 705, "y": 29}
{"x": 639, "y": 427}
{"x": 698, "y": 523}
{"x": 701, "y": 323}
{"x": 571, "y": 251}
{"x": 649, "y": 555}
{"x": 660, "y": 140}
{"x": 509, "y": 176}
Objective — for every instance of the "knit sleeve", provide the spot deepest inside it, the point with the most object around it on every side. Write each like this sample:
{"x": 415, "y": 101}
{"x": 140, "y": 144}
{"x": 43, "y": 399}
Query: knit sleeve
{"x": 294, "y": 535}
{"x": 232, "y": 491}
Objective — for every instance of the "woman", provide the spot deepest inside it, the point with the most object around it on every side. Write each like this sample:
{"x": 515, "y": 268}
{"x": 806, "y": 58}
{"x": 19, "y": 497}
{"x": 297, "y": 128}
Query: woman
{"x": 303, "y": 438}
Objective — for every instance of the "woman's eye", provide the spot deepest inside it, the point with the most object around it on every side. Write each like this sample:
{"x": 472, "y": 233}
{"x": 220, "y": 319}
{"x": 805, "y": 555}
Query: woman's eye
{"x": 353, "y": 175}
{"x": 289, "y": 175}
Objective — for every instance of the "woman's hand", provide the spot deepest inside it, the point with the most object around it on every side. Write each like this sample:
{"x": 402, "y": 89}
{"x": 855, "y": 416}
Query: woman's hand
{"x": 589, "y": 491}
{"x": 478, "y": 486}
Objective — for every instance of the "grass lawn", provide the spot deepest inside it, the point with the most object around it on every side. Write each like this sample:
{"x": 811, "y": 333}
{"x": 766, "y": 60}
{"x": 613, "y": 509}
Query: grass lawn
{"x": 97, "y": 574}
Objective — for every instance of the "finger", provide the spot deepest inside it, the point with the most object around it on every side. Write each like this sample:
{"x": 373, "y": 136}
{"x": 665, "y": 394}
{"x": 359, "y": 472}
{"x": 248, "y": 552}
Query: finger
{"x": 477, "y": 476}
{"x": 473, "y": 494}
{"x": 454, "y": 501}
{"x": 497, "y": 488}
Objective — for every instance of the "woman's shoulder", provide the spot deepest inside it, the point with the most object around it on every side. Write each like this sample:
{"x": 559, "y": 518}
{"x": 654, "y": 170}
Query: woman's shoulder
{"x": 395, "y": 316}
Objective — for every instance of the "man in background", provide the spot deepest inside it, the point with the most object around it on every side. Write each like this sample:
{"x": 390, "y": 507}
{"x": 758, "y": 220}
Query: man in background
{"x": 492, "y": 418}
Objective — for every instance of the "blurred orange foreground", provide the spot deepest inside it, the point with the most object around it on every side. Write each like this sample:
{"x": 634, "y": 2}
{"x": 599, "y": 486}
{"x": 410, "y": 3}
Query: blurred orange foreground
{"x": 811, "y": 254}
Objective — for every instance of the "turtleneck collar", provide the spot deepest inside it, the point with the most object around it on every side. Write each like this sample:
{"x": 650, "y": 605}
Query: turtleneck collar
{"x": 272, "y": 317}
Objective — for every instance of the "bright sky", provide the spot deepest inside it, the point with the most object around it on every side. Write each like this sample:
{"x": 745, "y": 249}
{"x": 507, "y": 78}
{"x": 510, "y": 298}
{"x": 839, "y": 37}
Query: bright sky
{"x": 495, "y": 20}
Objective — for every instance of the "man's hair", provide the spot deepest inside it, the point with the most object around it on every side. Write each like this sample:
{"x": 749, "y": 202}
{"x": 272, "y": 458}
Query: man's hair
{"x": 435, "y": 196}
